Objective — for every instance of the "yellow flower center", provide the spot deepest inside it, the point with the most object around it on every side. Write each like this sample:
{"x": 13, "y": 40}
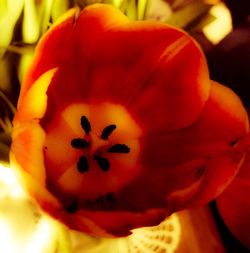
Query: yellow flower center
{"x": 91, "y": 150}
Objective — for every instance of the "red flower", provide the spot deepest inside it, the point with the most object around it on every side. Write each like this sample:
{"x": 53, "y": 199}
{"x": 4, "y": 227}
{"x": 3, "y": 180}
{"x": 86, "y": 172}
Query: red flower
{"x": 119, "y": 125}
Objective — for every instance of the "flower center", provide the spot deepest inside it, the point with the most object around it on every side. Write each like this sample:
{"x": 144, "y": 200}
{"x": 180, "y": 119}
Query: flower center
{"x": 91, "y": 151}
{"x": 98, "y": 152}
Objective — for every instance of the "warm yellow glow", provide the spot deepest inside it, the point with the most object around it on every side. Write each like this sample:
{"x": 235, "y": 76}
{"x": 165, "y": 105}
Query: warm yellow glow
{"x": 43, "y": 238}
{"x": 221, "y": 27}
{"x": 22, "y": 231}
{"x": 9, "y": 184}
{"x": 23, "y": 228}
{"x": 7, "y": 244}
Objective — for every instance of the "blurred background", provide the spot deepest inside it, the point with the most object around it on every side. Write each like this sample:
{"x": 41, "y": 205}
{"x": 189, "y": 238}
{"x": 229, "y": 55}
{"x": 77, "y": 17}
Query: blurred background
{"x": 222, "y": 28}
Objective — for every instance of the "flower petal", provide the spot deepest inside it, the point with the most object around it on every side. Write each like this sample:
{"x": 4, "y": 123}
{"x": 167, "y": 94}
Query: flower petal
{"x": 150, "y": 81}
{"x": 124, "y": 62}
{"x": 34, "y": 103}
{"x": 234, "y": 203}
{"x": 35, "y": 188}
{"x": 31, "y": 136}
{"x": 202, "y": 150}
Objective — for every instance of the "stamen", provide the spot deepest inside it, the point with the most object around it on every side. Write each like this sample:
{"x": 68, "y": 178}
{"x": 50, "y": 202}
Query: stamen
{"x": 119, "y": 148}
{"x": 102, "y": 162}
{"x": 79, "y": 143}
{"x": 85, "y": 125}
{"x": 82, "y": 164}
{"x": 107, "y": 131}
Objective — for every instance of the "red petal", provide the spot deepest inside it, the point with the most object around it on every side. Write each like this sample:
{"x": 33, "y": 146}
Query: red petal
{"x": 174, "y": 161}
{"x": 160, "y": 75}
{"x": 106, "y": 57}
{"x": 234, "y": 203}
{"x": 178, "y": 87}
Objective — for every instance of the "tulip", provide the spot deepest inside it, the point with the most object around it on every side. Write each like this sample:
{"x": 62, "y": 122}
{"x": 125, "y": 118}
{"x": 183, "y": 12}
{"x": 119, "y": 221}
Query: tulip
{"x": 119, "y": 125}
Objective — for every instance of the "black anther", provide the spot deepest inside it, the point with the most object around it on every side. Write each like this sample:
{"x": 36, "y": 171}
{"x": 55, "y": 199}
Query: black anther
{"x": 119, "y": 148}
{"x": 82, "y": 164}
{"x": 79, "y": 143}
{"x": 102, "y": 162}
{"x": 85, "y": 125}
{"x": 107, "y": 131}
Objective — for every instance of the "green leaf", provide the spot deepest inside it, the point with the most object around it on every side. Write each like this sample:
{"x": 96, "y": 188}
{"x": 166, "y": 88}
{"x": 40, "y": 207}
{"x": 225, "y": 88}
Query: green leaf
{"x": 24, "y": 64}
{"x": 131, "y": 9}
{"x": 44, "y": 13}
{"x": 10, "y": 11}
{"x": 117, "y": 3}
{"x": 30, "y": 24}
{"x": 141, "y": 9}
{"x": 58, "y": 8}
